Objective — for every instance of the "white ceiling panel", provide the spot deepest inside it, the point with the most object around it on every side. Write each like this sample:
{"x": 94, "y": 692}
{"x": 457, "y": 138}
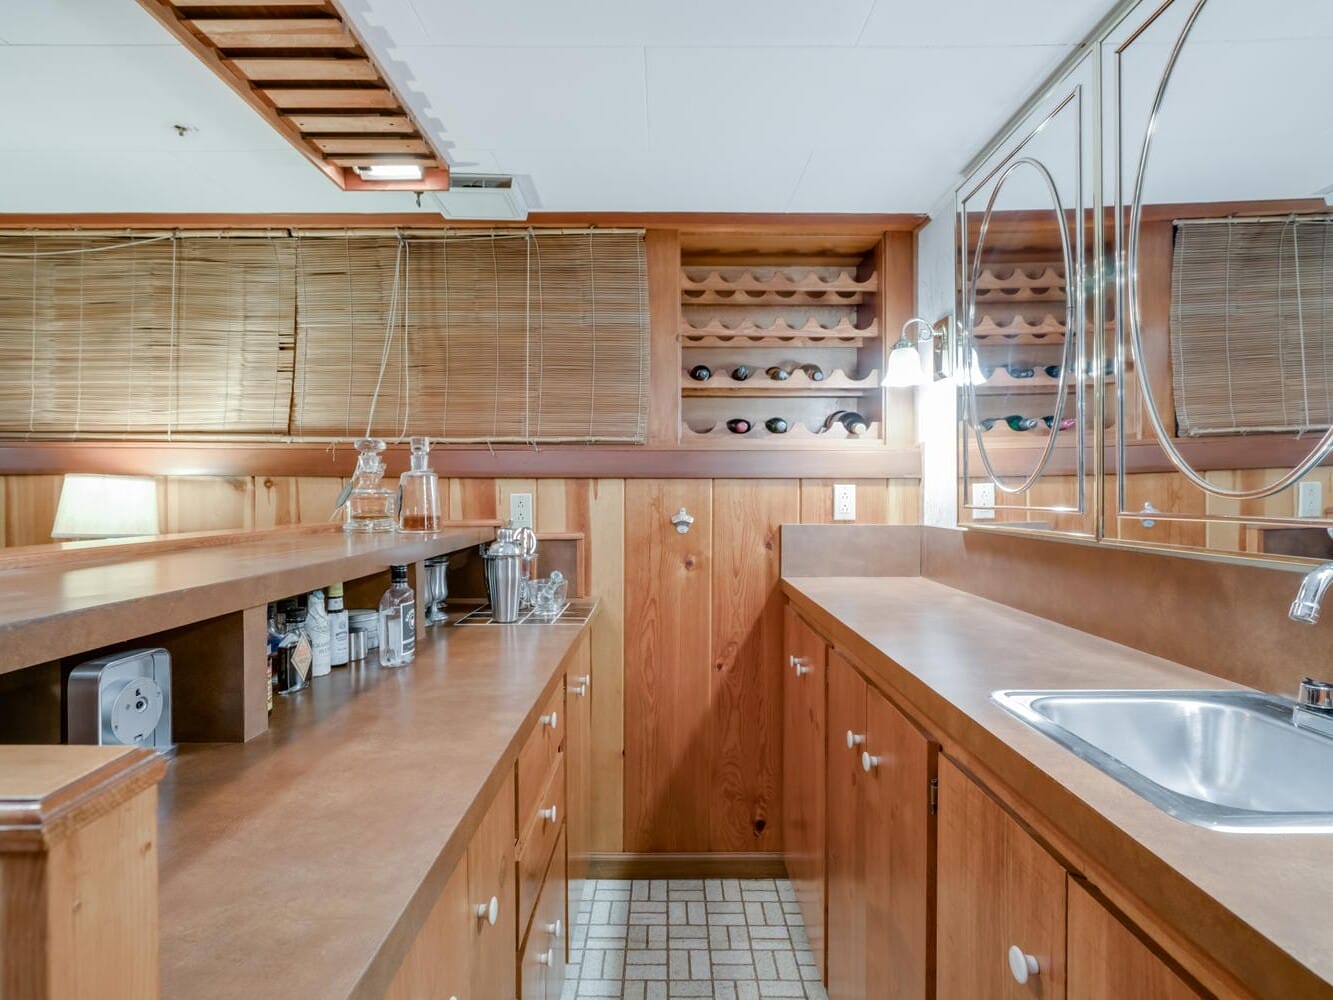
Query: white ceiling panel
{"x": 79, "y": 22}
{"x": 616, "y": 23}
{"x": 945, "y": 23}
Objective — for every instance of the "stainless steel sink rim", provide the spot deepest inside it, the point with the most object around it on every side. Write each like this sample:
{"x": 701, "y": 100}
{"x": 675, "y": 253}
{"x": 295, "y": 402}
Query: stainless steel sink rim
{"x": 1210, "y": 815}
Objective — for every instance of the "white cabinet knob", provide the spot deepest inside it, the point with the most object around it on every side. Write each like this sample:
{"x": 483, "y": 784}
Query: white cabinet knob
{"x": 548, "y": 814}
{"x": 579, "y": 690}
{"x": 796, "y": 662}
{"x": 551, "y": 719}
{"x": 489, "y": 912}
{"x": 801, "y": 670}
{"x": 869, "y": 762}
{"x": 555, "y": 929}
{"x": 545, "y": 957}
{"x": 854, "y": 740}
{"x": 578, "y": 686}
{"x": 1022, "y": 965}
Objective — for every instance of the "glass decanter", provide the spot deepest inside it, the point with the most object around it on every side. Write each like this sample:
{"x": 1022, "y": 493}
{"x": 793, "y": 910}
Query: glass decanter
{"x": 370, "y": 506}
{"x": 420, "y": 491}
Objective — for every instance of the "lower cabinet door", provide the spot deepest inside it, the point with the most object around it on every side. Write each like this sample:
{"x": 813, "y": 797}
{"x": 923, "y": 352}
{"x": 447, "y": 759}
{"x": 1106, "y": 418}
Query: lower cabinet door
{"x": 1108, "y": 961}
{"x": 493, "y": 899}
{"x": 1000, "y": 920}
{"x": 541, "y": 963}
{"x": 845, "y": 930}
{"x": 439, "y": 963}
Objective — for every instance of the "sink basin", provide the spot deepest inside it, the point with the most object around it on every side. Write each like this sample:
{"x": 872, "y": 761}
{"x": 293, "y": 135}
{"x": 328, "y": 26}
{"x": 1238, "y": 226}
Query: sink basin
{"x": 1233, "y": 761}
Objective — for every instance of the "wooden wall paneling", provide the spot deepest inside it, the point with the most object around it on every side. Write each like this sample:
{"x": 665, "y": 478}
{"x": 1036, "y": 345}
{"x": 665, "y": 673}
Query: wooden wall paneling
{"x": 1156, "y": 245}
{"x": 904, "y": 501}
{"x": 205, "y": 503}
{"x": 1167, "y": 491}
{"x": 605, "y": 531}
{"x": 872, "y": 501}
{"x": 471, "y": 499}
{"x": 662, "y": 249}
{"x": 745, "y": 707}
{"x": 30, "y": 508}
{"x": 667, "y": 669}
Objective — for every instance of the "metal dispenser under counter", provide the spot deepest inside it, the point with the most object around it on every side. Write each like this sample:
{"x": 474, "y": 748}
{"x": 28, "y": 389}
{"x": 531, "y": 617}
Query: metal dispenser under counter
{"x": 121, "y": 700}
{"x": 505, "y": 561}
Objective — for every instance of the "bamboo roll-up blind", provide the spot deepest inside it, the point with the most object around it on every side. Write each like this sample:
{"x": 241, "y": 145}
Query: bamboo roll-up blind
{"x": 127, "y": 337}
{"x": 1252, "y": 326}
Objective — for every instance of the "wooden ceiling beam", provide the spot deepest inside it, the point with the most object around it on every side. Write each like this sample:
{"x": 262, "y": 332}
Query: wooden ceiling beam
{"x": 321, "y": 124}
{"x": 300, "y": 69}
{"x": 329, "y": 98}
{"x": 275, "y": 33}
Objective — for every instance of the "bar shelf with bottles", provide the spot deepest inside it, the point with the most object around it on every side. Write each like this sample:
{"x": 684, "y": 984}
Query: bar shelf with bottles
{"x": 798, "y": 315}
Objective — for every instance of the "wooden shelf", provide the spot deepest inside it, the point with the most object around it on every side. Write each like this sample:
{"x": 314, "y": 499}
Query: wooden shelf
{"x": 741, "y": 297}
{"x": 1038, "y": 275}
{"x": 1019, "y": 326}
{"x": 777, "y": 334}
{"x": 799, "y": 436}
{"x": 781, "y": 281}
{"x": 836, "y": 383}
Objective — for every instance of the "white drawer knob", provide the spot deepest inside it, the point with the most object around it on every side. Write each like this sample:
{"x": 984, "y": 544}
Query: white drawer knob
{"x": 801, "y": 670}
{"x": 579, "y": 690}
{"x": 548, "y": 814}
{"x": 551, "y": 719}
{"x": 489, "y": 912}
{"x": 854, "y": 740}
{"x": 545, "y": 957}
{"x": 555, "y": 929}
{"x": 1021, "y": 964}
{"x": 869, "y": 762}
{"x": 796, "y": 663}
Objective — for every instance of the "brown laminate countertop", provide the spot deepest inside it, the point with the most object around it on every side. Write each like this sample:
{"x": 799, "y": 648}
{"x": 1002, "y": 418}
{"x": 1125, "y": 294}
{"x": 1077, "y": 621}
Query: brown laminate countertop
{"x": 302, "y": 863}
{"x": 1258, "y": 904}
{"x": 52, "y": 610}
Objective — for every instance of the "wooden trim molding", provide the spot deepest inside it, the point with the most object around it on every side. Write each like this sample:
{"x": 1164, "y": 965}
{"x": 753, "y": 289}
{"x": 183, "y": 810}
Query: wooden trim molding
{"x": 701, "y": 865}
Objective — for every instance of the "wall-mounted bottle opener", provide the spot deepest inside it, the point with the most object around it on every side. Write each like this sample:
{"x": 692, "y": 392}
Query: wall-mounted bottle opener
{"x": 682, "y": 520}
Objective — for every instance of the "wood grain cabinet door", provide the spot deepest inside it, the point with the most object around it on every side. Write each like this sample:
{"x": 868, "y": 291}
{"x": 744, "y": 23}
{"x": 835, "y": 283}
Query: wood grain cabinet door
{"x": 1108, "y": 961}
{"x": 491, "y": 884}
{"x": 897, "y": 762}
{"x": 998, "y": 890}
{"x": 578, "y": 790}
{"x": 804, "y": 669}
{"x": 846, "y": 927}
{"x": 439, "y": 963}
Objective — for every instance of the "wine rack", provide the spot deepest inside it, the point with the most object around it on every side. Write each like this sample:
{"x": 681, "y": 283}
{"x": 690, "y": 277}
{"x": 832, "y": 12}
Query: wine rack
{"x": 785, "y": 307}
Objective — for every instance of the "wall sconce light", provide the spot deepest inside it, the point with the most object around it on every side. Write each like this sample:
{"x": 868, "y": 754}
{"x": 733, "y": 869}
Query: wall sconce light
{"x": 106, "y": 507}
{"x": 904, "y": 369}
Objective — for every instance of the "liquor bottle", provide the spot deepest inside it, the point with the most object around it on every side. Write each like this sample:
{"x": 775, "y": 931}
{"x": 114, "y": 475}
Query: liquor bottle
{"x": 988, "y": 423}
{"x": 778, "y": 374}
{"x": 419, "y": 490}
{"x": 317, "y": 627}
{"x": 1053, "y": 371}
{"x": 1021, "y": 423}
{"x": 398, "y": 621}
{"x": 274, "y": 641}
{"x": 701, "y": 373}
{"x": 294, "y": 655}
{"x": 813, "y": 372}
{"x": 741, "y": 372}
{"x": 338, "y": 652}
{"x": 1019, "y": 371}
{"x": 776, "y": 425}
{"x": 855, "y": 424}
{"x": 738, "y": 425}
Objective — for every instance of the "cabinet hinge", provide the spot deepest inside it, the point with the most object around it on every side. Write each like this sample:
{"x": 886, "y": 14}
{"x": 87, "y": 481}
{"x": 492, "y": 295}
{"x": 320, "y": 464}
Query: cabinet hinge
{"x": 934, "y": 796}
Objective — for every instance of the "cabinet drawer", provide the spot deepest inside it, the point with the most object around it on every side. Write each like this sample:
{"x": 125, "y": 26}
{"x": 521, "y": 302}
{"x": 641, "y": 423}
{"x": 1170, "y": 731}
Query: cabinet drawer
{"x": 540, "y": 833}
{"x": 542, "y": 960}
{"x": 490, "y": 878}
{"x": 539, "y": 753}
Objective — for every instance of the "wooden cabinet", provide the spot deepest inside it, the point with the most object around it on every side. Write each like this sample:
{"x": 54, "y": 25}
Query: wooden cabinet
{"x": 439, "y": 963}
{"x": 492, "y": 894}
{"x": 998, "y": 889}
{"x": 578, "y": 773}
{"x": 542, "y": 958}
{"x": 1109, "y": 961}
{"x": 879, "y": 835}
{"x": 805, "y": 671}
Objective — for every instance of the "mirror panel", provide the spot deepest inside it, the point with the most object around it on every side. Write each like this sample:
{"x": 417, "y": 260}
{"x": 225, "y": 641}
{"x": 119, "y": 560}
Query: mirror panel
{"x": 1026, "y": 336}
{"x": 1219, "y": 163}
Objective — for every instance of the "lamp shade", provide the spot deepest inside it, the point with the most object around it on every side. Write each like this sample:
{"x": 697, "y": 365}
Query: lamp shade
{"x": 106, "y": 507}
{"x": 904, "y": 368}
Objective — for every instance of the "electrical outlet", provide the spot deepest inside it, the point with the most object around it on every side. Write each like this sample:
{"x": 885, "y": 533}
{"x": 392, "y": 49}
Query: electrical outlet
{"x": 983, "y": 501}
{"x": 520, "y": 510}
{"x": 1309, "y": 499}
{"x": 844, "y": 502}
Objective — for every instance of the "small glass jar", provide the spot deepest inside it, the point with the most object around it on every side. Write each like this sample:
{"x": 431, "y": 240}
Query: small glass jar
{"x": 420, "y": 491}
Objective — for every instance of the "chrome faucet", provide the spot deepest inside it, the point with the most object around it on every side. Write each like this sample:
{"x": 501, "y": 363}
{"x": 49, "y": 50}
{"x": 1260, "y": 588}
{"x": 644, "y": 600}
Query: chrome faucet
{"x": 1306, "y": 606}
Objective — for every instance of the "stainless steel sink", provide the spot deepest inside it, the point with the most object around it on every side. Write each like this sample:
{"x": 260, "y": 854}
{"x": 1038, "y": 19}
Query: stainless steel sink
{"x": 1235, "y": 761}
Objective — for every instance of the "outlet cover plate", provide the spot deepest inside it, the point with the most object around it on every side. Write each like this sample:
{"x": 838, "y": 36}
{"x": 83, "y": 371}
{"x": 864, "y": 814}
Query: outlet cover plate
{"x": 1310, "y": 499}
{"x": 520, "y": 510}
{"x": 983, "y": 501}
{"x": 844, "y": 502}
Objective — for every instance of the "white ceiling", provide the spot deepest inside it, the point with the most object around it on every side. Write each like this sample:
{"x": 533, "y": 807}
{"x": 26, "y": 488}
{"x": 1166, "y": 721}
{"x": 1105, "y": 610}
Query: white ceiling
{"x": 601, "y": 105}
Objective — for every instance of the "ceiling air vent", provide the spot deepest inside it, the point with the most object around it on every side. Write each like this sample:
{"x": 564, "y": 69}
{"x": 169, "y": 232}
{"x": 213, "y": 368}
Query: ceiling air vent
{"x": 482, "y": 196}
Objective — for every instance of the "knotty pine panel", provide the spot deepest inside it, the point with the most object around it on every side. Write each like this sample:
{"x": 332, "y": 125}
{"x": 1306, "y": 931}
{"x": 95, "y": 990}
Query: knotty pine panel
{"x": 207, "y": 503}
{"x": 878, "y": 501}
{"x": 745, "y": 698}
{"x": 667, "y": 667}
{"x": 30, "y": 508}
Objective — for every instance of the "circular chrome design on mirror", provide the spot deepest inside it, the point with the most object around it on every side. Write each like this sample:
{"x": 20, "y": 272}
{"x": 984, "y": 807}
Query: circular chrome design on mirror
{"x": 1073, "y": 283}
{"x": 1165, "y": 440}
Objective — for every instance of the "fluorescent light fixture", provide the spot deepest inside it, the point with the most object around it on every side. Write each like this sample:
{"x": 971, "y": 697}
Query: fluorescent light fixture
{"x": 106, "y": 507}
{"x": 391, "y": 172}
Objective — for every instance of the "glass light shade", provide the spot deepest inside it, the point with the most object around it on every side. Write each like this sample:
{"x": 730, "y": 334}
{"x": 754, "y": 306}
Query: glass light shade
{"x": 974, "y": 375}
{"x": 106, "y": 507}
{"x": 904, "y": 368}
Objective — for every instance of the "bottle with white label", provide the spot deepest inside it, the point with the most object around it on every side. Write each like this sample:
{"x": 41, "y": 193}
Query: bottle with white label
{"x": 317, "y": 627}
{"x": 398, "y": 621}
{"x": 338, "y": 652}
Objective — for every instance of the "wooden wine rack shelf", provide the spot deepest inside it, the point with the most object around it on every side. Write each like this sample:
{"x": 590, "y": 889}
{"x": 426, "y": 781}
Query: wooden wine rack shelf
{"x": 799, "y": 436}
{"x": 742, "y": 297}
{"x": 781, "y": 281}
{"x": 1049, "y": 278}
{"x": 777, "y": 334}
{"x": 797, "y": 384}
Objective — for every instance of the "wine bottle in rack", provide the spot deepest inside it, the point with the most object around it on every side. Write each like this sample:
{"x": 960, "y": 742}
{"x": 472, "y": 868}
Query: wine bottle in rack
{"x": 778, "y": 374}
{"x": 1018, "y": 422}
{"x": 853, "y": 422}
{"x": 813, "y": 372}
{"x": 1020, "y": 371}
{"x": 701, "y": 373}
{"x": 776, "y": 425}
{"x": 738, "y": 425}
{"x": 1053, "y": 371}
{"x": 741, "y": 372}
{"x": 1065, "y": 422}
